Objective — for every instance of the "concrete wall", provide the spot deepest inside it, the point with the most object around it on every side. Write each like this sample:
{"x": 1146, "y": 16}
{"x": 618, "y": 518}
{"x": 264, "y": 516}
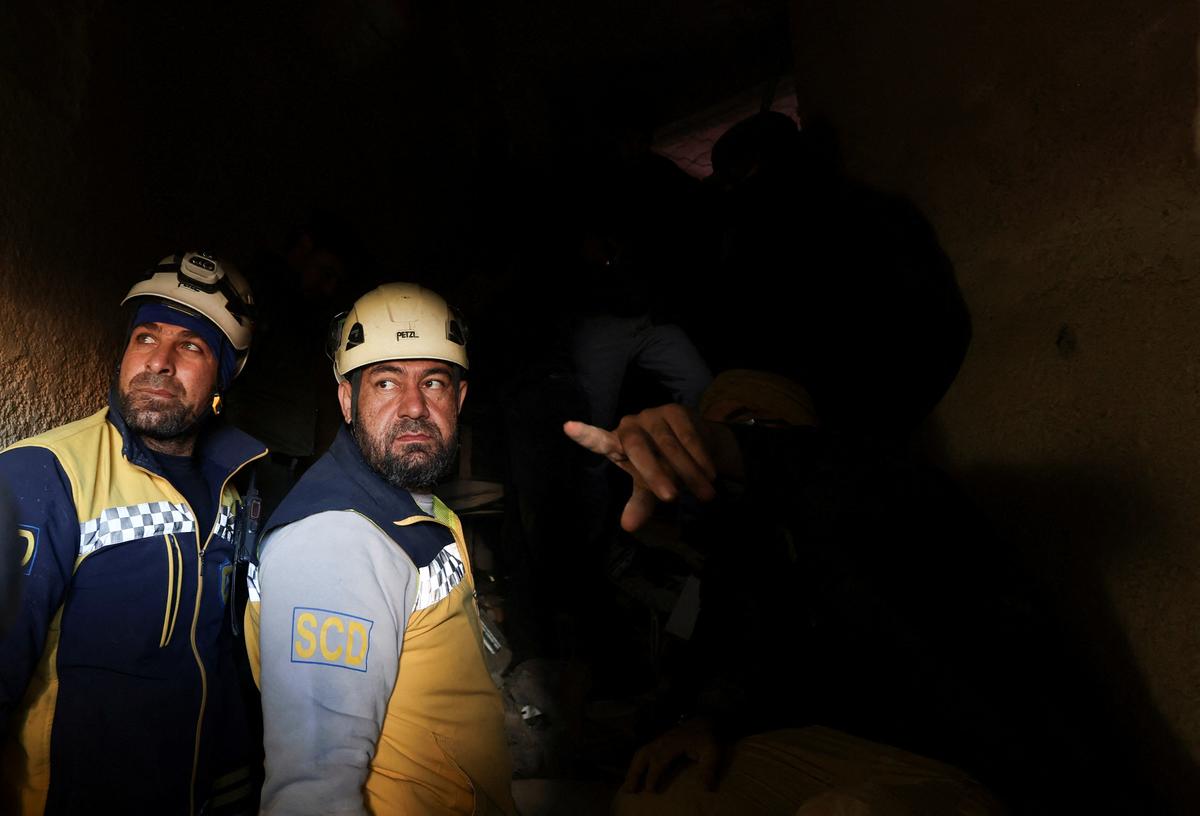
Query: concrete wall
{"x": 1051, "y": 146}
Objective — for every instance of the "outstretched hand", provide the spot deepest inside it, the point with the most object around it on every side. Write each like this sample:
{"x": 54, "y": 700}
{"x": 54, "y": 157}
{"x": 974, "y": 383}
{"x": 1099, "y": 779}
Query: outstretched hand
{"x": 666, "y": 450}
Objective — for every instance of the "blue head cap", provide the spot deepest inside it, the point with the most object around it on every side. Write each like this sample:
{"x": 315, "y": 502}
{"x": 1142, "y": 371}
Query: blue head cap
{"x": 163, "y": 312}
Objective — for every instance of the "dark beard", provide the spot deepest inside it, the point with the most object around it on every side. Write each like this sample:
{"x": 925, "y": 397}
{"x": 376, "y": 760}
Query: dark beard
{"x": 169, "y": 420}
{"x": 420, "y": 467}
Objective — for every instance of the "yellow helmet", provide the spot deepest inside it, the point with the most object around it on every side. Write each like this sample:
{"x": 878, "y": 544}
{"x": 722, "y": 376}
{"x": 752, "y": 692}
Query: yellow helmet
{"x": 397, "y": 321}
{"x": 208, "y": 286}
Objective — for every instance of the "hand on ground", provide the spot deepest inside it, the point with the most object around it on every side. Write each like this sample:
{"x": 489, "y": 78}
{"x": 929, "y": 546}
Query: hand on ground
{"x": 692, "y": 740}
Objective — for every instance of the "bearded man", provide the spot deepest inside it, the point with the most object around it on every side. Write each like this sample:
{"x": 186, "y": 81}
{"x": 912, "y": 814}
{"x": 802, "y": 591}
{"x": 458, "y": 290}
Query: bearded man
{"x": 362, "y": 625}
{"x": 118, "y": 687}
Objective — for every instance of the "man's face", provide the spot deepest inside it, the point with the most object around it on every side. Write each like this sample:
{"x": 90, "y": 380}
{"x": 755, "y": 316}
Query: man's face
{"x": 407, "y": 420}
{"x": 166, "y": 380}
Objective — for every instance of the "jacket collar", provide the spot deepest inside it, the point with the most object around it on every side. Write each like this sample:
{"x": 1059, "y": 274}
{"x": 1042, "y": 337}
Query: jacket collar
{"x": 218, "y": 442}
{"x": 346, "y": 453}
{"x": 342, "y": 480}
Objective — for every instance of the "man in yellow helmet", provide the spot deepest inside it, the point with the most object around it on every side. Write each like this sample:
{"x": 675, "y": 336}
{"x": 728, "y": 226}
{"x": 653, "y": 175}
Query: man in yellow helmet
{"x": 117, "y": 684}
{"x": 362, "y": 622}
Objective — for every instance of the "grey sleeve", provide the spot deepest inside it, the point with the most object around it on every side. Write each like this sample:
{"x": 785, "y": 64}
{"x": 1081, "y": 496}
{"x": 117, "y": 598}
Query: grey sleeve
{"x": 335, "y": 595}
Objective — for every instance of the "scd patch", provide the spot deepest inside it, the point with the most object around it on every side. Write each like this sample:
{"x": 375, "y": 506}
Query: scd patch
{"x": 330, "y": 638}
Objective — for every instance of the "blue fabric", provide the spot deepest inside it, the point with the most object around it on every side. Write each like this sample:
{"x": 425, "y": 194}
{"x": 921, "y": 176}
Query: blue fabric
{"x": 161, "y": 312}
{"x": 123, "y": 722}
{"x": 342, "y": 480}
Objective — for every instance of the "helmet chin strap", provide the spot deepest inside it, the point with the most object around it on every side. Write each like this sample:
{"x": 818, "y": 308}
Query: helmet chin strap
{"x": 355, "y": 382}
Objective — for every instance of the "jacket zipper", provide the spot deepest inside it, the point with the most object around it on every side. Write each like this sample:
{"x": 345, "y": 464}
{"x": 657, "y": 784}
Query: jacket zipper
{"x": 196, "y": 612}
{"x": 199, "y": 664}
{"x": 196, "y": 617}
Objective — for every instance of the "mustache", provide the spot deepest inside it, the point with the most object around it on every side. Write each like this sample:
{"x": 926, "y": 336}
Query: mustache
{"x": 410, "y": 425}
{"x": 158, "y": 382}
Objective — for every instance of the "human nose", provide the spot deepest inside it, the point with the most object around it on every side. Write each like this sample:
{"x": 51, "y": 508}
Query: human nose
{"x": 161, "y": 360}
{"x": 413, "y": 403}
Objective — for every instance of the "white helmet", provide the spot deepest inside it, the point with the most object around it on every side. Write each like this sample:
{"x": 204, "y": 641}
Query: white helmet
{"x": 208, "y": 286}
{"x": 397, "y": 321}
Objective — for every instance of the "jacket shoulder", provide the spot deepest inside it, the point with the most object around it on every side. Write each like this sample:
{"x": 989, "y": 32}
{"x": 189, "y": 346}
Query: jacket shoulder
{"x": 69, "y": 437}
{"x": 73, "y": 449}
{"x": 88, "y": 453}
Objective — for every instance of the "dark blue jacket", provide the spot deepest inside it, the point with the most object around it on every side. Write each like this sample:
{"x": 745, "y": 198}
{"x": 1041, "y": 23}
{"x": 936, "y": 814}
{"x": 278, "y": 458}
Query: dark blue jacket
{"x": 117, "y": 685}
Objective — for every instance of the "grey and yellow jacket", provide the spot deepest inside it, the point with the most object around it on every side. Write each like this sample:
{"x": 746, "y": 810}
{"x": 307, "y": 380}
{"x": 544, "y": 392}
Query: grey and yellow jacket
{"x": 365, "y": 638}
{"x": 117, "y": 687}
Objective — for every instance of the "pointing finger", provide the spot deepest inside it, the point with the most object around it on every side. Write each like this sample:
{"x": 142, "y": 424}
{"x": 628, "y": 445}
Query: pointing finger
{"x": 597, "y": 440}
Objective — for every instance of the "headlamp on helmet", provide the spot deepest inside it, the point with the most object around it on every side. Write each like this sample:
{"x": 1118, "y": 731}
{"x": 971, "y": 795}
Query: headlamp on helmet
{"x": 208, "y": 286}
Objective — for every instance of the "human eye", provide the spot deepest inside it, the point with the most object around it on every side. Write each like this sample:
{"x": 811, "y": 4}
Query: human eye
{"x": 188, "y": 345}
{"x": 144, "y": 338}
{"x": 435, "y": 383}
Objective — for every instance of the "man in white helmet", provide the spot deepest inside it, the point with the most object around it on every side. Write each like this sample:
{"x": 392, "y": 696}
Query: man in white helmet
{"x": 117, "y": 686}
{"x": 366, "y": 639}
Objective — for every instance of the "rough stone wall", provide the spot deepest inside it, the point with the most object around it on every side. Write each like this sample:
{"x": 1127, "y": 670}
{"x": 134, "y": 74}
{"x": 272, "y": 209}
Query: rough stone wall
{"x": 1051, "y": 146}
{"x": 56, "y": 345}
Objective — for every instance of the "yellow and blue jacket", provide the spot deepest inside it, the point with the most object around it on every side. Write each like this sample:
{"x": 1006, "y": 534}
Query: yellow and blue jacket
{"x": 117, "y": 687}
{"x": 364, "y": 636}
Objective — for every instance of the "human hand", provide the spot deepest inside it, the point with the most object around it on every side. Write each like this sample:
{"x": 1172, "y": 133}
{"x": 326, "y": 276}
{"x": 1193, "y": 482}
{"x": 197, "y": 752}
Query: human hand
{"x": 692, "y": 740}
{"x": 664, "y": 449}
